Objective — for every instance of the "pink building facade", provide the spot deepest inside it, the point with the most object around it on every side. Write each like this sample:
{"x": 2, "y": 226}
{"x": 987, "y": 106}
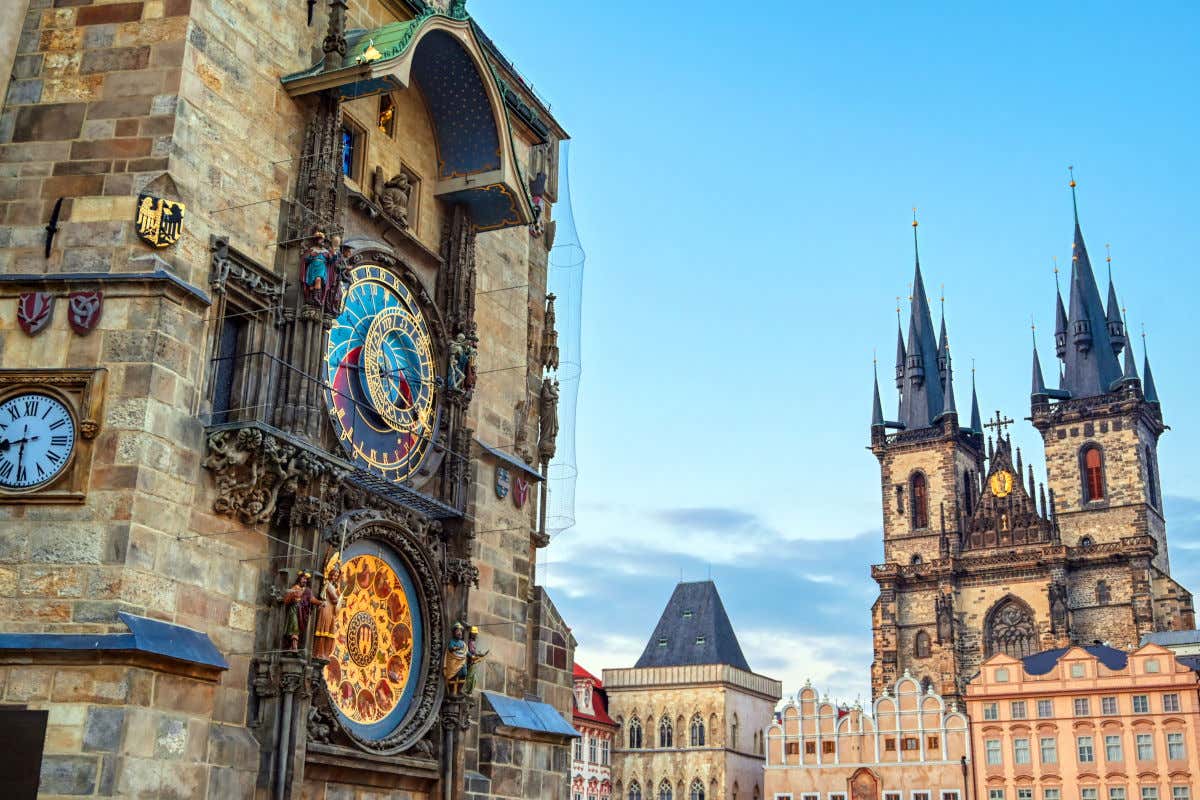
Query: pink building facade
{"x": 1085, "y": 724}
{"x": 591, "y": 766}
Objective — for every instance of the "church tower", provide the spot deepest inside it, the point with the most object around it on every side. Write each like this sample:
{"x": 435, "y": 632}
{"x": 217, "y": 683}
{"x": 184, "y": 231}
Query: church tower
{"x": 929, "y": 471}
{"x": 980, "y": 559}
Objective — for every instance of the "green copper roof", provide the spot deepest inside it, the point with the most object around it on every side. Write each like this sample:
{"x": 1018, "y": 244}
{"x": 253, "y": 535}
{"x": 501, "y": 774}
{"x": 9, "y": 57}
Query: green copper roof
{"x": 391, "y": 40}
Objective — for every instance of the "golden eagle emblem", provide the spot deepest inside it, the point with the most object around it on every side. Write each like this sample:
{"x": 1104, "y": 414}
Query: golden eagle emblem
{"x": 159, "y": 221}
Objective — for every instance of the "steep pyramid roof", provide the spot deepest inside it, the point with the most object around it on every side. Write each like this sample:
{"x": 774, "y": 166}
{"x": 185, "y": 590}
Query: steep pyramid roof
{"x": 693, "y": 629}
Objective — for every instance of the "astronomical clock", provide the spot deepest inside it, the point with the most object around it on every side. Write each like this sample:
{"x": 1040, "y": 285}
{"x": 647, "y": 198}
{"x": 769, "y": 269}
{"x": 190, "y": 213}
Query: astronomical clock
{"x": 382, "y": 391}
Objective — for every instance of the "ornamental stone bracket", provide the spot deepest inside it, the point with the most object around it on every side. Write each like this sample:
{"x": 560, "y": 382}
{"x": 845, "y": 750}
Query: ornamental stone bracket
{"x": 253, "y": 469}
{"x": 461, "y": 571}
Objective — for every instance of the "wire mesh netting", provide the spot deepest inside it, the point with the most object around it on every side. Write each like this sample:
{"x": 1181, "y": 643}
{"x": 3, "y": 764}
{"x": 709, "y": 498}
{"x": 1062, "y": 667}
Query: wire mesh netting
{"x": 565, "y": 281}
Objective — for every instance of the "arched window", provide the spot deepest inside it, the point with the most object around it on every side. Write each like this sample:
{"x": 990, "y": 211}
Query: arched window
{"x": 697, "y": 731}
{"x": 1092, "y": 460}
{"x": 697, "y": 790}
{"x": 966, "y": 484}
{"x": 664, "y": 790}
{"x": 635, "y": 734}
{"x": 918, "y": 491}
{"x": 635, "y": 790}
{"x": 733, "y": 733}
{"x": 1086, "y": 541}
{"x": 1151, "y": 478}
{"x": 1010, "y": 629}
{"x": 665, "y": 732}
{"x": 1103, "y": 595}
{"x": 916, "y": 559}
{"x": 922, "y": 644}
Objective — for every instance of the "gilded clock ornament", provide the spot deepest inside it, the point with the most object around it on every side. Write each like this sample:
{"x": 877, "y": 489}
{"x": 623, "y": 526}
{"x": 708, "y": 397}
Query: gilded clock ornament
{"x": 380, "y": 373}
{"x": 37, "y": 440}
{"x": 1002, "y": 483}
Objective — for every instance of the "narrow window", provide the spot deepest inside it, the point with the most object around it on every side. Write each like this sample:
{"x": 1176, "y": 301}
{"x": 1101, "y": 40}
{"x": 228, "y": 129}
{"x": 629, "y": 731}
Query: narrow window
{"x": 351, "y": 145}
{"x": 1145, "y": 746}
{"x": 635, "y": 734}
{"x": 1175, "y": 747}
{"x": 1151, "y": 478}
{"x": 1093, "y": 473}
{"x": 1049, "y": 746}
{"x": 932, "y": 742}
{"x": 1021, "y": 751}
{"x": 922, "y": 644}
{"x": 791, "y": 749}
{"x": 810, "y": 748}
{"x": 592, "y": 759}
{"x": 635, "y": 791}
{"x": 387, "y": 115}
{"x": 1086, "y": 752}
{"x": 992, "y": 749}
{"x": 827, "y": 748}
{"x": 920, "y": 501}
{"x": 697, "y": 731}
{"x": 1112, "y": 748}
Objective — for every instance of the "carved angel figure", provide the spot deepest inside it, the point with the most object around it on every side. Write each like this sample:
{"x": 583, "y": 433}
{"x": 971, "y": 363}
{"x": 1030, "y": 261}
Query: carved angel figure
{"x": 548, "y": 411}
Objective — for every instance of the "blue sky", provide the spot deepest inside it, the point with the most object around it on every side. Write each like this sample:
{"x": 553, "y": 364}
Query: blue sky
{"x": 743, "y": 177}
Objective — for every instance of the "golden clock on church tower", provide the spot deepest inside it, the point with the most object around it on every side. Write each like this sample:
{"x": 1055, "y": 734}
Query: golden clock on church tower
{"x": 1002, "y": 483}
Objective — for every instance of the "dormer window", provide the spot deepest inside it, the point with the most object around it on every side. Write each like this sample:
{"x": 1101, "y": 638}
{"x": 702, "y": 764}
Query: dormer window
{"x": 687, "y": 613}
{"x": 699, "y": 640}
{"x": 662, "y": 641}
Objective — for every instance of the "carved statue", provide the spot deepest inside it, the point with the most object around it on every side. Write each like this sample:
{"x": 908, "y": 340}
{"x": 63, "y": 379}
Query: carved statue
{"x": 454, "y": 667}
{"x": 945, "y": 619}
{"x": 316, "y": 258}
{"x": 548, "y": 411}
{"x": 521, "y": 430}
{"x": 331, "y": 597}
{"x": 298, "y": 603}
{"x": 550, "y": 336}
{"x": 463, "y": 354}
{"x": 393, "y": 199}
{"x": 1058, "y": 607}
{"x": 458, "y": 9}
{"x": 339, "y": 275}
{"x": 377, "y": 184}
{"x": 473, "y": 658}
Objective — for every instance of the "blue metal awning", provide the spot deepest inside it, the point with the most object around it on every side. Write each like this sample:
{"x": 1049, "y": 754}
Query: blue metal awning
{"x": 145, "y": 635}
{"x": 530, "y": 715}
{"x": 510, "y": 459}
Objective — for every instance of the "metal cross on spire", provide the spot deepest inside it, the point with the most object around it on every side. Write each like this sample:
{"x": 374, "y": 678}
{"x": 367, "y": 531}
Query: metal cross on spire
{"x": 999, "y": 423}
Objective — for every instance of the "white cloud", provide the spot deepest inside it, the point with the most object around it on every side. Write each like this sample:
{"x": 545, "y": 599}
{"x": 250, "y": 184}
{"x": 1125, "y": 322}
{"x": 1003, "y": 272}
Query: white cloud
{"x": 599, "y": 650}
{"x": 837, "y": 664}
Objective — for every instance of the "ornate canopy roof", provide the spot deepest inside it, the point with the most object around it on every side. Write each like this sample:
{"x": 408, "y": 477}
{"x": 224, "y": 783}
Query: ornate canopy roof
{"x": 477, "y": 165}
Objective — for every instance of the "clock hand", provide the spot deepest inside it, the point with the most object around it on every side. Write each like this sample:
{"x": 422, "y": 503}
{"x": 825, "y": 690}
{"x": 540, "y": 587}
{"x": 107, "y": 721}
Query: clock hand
{"x": 21, "y": 449}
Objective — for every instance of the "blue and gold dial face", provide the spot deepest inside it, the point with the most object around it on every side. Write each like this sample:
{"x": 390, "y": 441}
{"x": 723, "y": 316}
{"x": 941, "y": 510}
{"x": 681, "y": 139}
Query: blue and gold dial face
{"x": 381, "y": 376}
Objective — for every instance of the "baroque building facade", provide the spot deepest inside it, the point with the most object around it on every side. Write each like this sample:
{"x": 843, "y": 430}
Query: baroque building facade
{"x": 1089, "y": 722}
{"x": 911, "y": 746}
{"x": 978, "y": 558}
{"x": 279, "y": 401}
{"x": 591, "y": 767}
{"x": 690, "y": 712}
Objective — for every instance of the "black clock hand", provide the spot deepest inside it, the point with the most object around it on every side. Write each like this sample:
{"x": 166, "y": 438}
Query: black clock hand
{"x": 21, "y": 449}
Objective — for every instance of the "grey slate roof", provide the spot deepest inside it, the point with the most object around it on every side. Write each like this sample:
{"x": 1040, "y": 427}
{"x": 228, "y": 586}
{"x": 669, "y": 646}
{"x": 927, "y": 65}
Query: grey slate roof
{"x": 1168, "y": 638}
{"x": 693, "y": 629}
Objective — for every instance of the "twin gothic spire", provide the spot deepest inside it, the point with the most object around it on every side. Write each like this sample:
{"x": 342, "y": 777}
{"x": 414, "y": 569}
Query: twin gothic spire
{"x": 1088, "y": 337}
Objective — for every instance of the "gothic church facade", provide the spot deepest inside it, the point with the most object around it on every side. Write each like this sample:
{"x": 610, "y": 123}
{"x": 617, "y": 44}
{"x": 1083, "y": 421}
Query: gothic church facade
{"x": 978, "y": 558}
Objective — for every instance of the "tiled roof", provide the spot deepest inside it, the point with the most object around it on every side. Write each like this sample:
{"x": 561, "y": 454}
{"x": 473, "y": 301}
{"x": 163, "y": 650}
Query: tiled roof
{"x": 1043, "y": 662}
{"x": 580, "y": 672}
{"x": 693, "y": 629}
{"x": 599, "y": 713}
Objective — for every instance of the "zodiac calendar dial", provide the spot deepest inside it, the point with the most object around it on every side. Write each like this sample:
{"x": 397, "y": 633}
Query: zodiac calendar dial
{"x": 380, "y": 375}
{"x": 371, "y": 663}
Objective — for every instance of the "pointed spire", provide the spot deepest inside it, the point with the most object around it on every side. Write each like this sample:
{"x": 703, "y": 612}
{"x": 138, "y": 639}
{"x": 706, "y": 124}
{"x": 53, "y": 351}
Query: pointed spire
{"x": 1060, "y": 318}
{"x": 976, "y": 421}
{"x": 1129, "y": 373}
{"x": 948, "y": 388}
{"x": 1113, "y": 315}
{"x": 900, "y": 353}
{"x": 921, "y": 398}
{"x": 1149, "y": 390}
{"x": 1039, "y": 385}
{"x": 876, "y": 405}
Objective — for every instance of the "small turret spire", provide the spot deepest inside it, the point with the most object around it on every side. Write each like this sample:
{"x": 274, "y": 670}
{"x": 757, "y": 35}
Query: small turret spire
{"x": 1039, "y": 385}
{"x": 876, "y": 405}
{"x": 1149, "y": 390}
{"x": 950, "y": 406}
{"x": 1129, "y": 372}
{"x": 1074, "y": 204}
{"x": 1060, "y": 317}
{"x": 1113, "y": 315}
{"x": 976, "y": 421}
{"x": 900, "y": 354}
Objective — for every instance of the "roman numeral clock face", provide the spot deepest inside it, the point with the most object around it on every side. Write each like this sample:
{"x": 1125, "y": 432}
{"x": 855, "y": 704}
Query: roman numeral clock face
{"x": 37, "y": 439}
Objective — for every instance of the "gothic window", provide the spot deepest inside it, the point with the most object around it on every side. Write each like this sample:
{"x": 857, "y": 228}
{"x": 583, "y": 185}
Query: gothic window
{"x": 354, "y": 141}
{"x": 918, "y": 491}
{"x": 635, "y": 790}
{"x": 967, "y": 500}
{"x": 1092, "y": 460}
{"x": 697, "y": 790}
{"x": 665, "y": 732}
{"x": 1151, "y": 478}
{"x": 733, "y": 733}
{"x": 697, "y": 731}
{"x": 635, "y": 734}
{"x": 899, "y": 498}
{"x": 922, "y": 644}
{"x": 1010, "y": 629}
{"x": 664, "y": 790}
{"x": 387, "y": 115}
{"x": 1103, "y": 595}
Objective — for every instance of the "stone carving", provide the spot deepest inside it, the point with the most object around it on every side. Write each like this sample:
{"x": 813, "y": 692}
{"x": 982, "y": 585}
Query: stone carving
{"x": 464, "y": 352}
{"x": 521, "y": 431}
{"x": 229, "y": 270}
{"x": 548, "y": 411}
{"x": 253, "y": 469}
{"x": 945, "y": 619}
{"x": 550, "y": 336}
{"x": 320, "y": 724}
{"x": 1058, "y": 607}
{"x": 461, "y": 571}
{"x": 393, "y": 198}
{"x": 298, "y": 602}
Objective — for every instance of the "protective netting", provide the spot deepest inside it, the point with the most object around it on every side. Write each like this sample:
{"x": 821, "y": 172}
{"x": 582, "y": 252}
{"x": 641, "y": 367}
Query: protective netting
{"x": 565, "y": 281}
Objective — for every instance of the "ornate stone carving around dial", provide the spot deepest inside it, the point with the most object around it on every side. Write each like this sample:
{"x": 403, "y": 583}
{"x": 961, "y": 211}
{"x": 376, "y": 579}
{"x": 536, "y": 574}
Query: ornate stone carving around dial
{"x": 253, "y": 469}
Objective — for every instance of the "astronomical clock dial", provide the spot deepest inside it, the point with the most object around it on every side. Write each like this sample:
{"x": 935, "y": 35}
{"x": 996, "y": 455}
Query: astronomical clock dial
{"x": 380, "y": 373}
{"x": 37, "y": 440}
{"x": 1002, "y": 483}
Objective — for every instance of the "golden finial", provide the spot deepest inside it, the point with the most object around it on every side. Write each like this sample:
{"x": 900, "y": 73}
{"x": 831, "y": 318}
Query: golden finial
{"x": 910, "y": 292}
{"x": 1071, "y": 169}
{"x": 915, "y": 223}
{"x": 1055, "y": 260}
{"x": 1108, "y": 252}
{"x": 943, "y": 297}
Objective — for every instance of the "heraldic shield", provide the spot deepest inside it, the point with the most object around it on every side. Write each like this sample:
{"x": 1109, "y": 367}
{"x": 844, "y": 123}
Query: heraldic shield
{"x": 34, "y": 310}
{"x": 159, "y": 221}
{"x": 83, "y": 310}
